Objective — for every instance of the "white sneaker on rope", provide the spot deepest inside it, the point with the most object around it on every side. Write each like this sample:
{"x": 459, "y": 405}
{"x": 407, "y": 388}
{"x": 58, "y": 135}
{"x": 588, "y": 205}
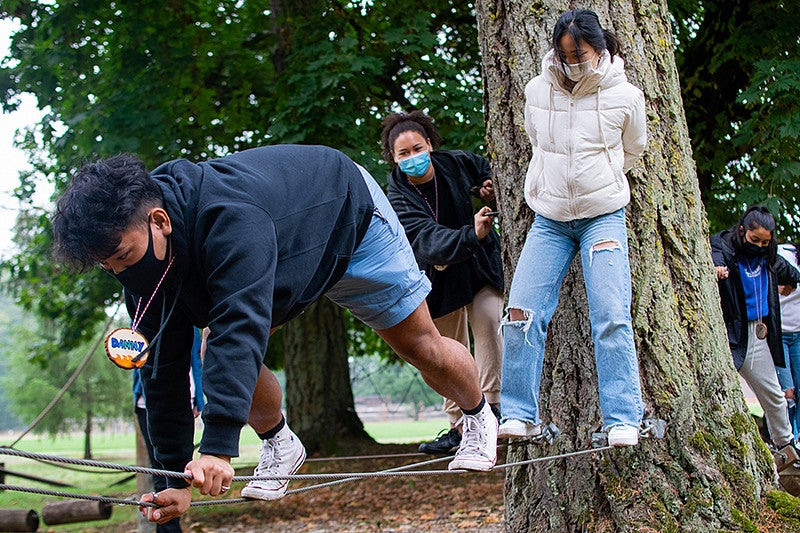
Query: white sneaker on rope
{"x": 622, "y": 435}
{"x": 478, "y": 449}
{"x": 513, "y": 428}
{"x": 282, "y": 455}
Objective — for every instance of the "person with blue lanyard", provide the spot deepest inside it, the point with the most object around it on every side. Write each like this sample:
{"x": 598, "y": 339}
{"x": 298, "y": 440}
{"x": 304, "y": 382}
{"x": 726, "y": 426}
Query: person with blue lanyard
{"x": 749, "y": 270}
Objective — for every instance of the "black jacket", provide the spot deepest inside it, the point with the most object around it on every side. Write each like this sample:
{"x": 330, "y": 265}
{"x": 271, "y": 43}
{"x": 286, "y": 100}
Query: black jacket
{"x": 258, "y": 236}
{"x": 472, "y": 264}
{"x": 734, "y": 307}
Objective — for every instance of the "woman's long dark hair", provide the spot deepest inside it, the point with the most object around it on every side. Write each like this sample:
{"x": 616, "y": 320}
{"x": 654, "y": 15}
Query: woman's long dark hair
{"x": 584, "y": 24}
{"x": 756, "y": 216}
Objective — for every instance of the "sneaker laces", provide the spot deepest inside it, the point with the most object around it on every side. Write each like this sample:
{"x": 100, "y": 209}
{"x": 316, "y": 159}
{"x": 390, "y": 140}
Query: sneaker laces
{"x": 473, "y": 440}
{"x": 268, "y": 463}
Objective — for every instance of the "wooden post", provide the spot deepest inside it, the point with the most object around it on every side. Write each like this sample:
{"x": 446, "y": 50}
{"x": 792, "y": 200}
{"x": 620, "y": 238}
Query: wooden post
{"x": 70, "y": 511}
{"x": 18, "y": 520}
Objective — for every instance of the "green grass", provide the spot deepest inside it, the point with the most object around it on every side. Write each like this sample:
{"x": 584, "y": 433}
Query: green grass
{"x": 120, "y": 448}
{"x": 412, "y": 431}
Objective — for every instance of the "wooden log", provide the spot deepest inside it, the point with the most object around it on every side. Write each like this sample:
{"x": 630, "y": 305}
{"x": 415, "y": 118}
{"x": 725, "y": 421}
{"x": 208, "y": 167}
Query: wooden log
{"x": 69, "y": 511}
{"x": 18, "y": 520}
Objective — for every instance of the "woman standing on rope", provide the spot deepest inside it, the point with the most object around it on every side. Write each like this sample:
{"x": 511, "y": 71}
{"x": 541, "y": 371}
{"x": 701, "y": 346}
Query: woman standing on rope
{"x": 587, "y": 127}
{"x": 749, "y": 271}
{"x": 430, "y": 189}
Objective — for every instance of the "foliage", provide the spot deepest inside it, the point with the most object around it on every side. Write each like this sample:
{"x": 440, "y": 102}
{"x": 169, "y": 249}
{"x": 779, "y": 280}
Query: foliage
{"x": 200, "y": 79}
{"x": 740, "y": 81}
{"x": 11, "y": 317}
{"x": 93, "y": 397}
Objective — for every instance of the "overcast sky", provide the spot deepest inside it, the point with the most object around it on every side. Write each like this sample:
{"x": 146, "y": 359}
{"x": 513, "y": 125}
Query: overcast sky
{"x": 11, "y": 159}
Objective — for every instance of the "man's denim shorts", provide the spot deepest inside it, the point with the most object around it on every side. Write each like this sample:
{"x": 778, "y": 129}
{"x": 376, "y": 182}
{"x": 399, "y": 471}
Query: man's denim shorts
{"x": 383, "y": 284}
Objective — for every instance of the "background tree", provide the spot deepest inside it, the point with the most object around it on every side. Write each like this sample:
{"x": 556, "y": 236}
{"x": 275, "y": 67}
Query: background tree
{"x": 93, "y": 399}
{"x": 11, "y": 318}
{"x": 202, "y": 79}
{"x": 712, "y": 469}
{"x": 740, "y": 83}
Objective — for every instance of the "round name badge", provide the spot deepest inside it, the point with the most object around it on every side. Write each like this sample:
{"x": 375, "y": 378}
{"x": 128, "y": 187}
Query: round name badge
{"x": 123, "y": 345}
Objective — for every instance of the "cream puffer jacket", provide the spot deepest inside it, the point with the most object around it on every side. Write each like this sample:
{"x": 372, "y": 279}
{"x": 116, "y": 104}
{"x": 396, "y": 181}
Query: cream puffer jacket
{"x": 583, "y": 142}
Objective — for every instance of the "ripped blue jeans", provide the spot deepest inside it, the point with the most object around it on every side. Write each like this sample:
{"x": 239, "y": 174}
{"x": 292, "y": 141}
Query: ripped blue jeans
{"x": 549, "y": 249}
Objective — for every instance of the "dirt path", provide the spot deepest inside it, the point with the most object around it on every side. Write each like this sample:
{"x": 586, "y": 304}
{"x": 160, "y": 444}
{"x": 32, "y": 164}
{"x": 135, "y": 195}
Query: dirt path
{"x": 440, "y": 504}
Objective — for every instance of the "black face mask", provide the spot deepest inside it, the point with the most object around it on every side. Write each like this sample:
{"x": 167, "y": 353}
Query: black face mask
{"x": 141, "y": 278}
{"x": 753, "y": 250}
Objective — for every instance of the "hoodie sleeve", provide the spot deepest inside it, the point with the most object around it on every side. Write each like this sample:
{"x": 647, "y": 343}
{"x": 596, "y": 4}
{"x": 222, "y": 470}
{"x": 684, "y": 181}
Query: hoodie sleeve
{"x": 433, "y": 243}
{"x": 634, "y": 131}
{"x": 239, "y": 257}
{"x": 786, "y": 273}
{"x": 717, "y": 255}
{"x": 482, "y": 170}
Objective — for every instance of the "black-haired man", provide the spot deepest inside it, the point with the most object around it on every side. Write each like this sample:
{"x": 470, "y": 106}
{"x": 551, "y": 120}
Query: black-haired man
{"x": 241, "y": 244}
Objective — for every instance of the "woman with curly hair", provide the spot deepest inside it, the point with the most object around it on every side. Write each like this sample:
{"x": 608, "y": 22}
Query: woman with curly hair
{"x": 431, "y": 190}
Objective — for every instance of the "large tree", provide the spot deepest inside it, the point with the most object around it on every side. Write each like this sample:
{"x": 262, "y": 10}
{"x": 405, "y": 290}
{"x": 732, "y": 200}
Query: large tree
{"x": 711, "y": 469}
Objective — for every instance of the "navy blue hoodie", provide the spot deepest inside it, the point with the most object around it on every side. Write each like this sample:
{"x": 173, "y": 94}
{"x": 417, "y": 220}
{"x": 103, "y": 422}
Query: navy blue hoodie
{"x": 257, "y": 237}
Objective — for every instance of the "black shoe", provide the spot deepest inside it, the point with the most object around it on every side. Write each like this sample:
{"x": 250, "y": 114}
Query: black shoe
{"x": 444, "y": 444}
{"x": 496, "y": 412}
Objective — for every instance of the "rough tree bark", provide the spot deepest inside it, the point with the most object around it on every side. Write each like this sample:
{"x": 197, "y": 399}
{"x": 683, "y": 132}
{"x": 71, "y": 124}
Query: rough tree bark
{"x": 319, "y": 399}
{"x": 711, "y": 470}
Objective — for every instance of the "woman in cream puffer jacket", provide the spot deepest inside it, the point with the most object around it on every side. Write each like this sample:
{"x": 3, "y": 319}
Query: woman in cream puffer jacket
{"x": 587, "y": 127}
{"x": 578, "y": 167}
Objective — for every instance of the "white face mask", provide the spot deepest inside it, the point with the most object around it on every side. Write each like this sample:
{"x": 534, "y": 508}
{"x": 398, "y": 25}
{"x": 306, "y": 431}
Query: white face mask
{"x": 577, "y": 71}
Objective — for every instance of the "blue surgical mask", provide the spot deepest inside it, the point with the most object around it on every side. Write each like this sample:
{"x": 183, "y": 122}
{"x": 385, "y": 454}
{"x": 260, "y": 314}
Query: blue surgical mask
{"x": 416, "y": 165}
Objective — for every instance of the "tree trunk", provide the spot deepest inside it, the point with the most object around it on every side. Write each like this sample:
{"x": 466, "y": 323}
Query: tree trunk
{"x": 319, "y": 399}
{"x": 711, "y": 469}
{"x": 87, "y": 435}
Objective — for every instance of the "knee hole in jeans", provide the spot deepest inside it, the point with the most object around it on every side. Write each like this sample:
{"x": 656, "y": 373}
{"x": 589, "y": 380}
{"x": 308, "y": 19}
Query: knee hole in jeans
{"x": 608, "y": 245}
{"x": 516, "y": 314}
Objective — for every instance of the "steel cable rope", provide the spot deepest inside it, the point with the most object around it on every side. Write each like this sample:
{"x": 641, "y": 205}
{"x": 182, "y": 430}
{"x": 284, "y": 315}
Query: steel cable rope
{"x": 319, "y": 476}
{"x": 402, "y": 471}
{"x": 120, "y": 501}
{"x": 206, "y": 503}
{"x": 385, "y": 403}
{"x": 71, "y": 379}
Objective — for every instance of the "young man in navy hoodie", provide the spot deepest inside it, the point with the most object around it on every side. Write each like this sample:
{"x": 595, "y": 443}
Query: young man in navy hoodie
{"x": 241, "y": 244}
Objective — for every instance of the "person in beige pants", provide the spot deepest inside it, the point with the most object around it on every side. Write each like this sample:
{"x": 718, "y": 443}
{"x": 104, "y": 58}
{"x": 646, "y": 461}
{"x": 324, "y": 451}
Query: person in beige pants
{"x": 482, "y": 316}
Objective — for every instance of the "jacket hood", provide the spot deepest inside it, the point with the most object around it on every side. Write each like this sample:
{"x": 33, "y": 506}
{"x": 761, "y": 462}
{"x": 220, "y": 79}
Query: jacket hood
{"x": 180, "y": 190}
{"x": 607, "y": 74}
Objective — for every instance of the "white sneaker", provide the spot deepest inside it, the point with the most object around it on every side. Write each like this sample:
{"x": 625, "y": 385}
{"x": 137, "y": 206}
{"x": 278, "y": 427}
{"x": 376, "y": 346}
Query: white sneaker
{"x": 518, "y": 428}
{"x": 282, "y": 455}
{"x": 478, "y": 449}
{"x": 623, "y": 435}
